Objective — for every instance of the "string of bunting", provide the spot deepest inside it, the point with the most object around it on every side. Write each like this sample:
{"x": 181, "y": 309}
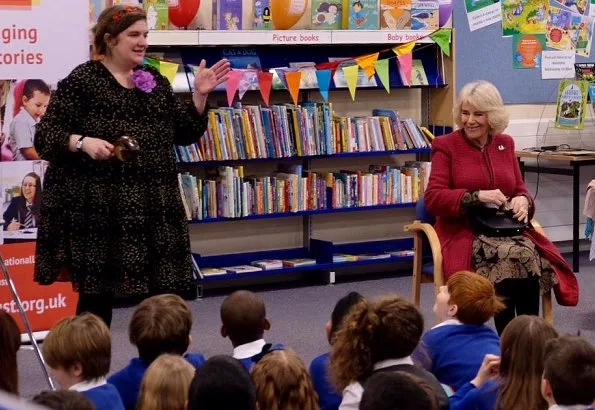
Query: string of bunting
{"x": 239, "y": 80}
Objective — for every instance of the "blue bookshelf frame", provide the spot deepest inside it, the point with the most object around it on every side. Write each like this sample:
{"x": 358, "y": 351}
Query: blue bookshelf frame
{"x": 320, "y": 250}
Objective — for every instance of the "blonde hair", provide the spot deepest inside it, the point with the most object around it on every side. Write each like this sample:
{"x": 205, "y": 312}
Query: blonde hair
{"x": 283, "y": 383}
{"x": 83, "y": 339}
{"x": 485, "y": 97}
{"x": 165, "y": 384}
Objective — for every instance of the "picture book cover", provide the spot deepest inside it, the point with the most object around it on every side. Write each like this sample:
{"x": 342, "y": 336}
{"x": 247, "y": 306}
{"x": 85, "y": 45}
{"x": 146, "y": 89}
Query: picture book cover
{"x": 581, "y": 34}
{"x": 363, "y": 15}
{"x": 585, "y": 72}
{"x": 242, "y": 58}
{"x": 95, "y": 8}
{"x": 339, "y": 77}
{"x": 229, "y": 15}
{"x": 425, "y": 15}
{"x": 308, "y": 70}
{"x": 572, "y": 102}
{"x": 558, "y": 29}
{"x": 418, "y": 73}
{"x": 395, "y": 14}
{"x": 262, "y": 15}
{"x": 524, "y": 16}
{"x": 576, "y": 6}
{"x": 327, "y": 14}
{"x": 157, "y": 14}
{"x": 527, "y": 49}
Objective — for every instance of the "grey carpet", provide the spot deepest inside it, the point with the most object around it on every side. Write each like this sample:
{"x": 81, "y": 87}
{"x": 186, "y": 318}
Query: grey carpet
{"x": 298, "y": 315}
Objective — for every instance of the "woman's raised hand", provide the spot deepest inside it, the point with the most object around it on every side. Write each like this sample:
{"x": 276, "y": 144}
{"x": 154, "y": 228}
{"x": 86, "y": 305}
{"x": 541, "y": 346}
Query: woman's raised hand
{"x": 206, "y": 79}
{"x": 494, "y": 196}
{"x": 97, "y": 148}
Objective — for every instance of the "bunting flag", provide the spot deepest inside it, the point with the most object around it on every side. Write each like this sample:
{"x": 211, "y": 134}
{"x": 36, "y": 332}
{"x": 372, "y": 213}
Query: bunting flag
{"x": 382, "y": 71}
{"x": 367, "y": 63}
{"x": 232, "y": 84}
{"x": 293, "y": 84}
{"x": 442, "y": 37}
{"x": 324, "y": 82}
{"x": 351, "y": 73}
{"x": 152, "y": 62}
{"x": 404, "y": 49}
{"x": 248, "y": 78}
{"x": 265, "y": 82}
{"x": 169, "y": 70}
{"x": 405, "y": 62}
{"x": 331, "y": 65}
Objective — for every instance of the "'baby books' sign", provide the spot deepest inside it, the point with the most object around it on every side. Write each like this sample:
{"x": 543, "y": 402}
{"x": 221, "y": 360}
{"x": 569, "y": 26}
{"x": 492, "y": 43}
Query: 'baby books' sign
{"x": 32, "y": 42}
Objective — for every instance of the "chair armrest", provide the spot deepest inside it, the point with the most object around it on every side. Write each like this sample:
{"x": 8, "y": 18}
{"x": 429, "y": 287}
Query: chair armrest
{"x": 537, "y": 226}
{"x": 428, "y": 230}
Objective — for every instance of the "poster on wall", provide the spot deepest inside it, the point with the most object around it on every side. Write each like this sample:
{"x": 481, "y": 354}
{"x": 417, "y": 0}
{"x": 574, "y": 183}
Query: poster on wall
{"x": 576, "y": 6}
{"x": 569, "y": 31}
{"x": 527, "y": 49}
{"x": 524, "y": 16}
{"x": 482, "y": 13}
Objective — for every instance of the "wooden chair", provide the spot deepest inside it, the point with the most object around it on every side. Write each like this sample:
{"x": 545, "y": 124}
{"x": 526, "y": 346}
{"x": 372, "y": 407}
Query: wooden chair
{"x": 427, "y": 259}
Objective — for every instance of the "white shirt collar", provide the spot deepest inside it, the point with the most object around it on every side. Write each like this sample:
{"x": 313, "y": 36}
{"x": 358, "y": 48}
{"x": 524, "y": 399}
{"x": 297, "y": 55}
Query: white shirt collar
{"x": 575, "y": 407}
{"x": 448, "y": 322}
{"x": 88, "y": 385}
{"x": 249, "y": 349}
{"x": 392, "y": 362}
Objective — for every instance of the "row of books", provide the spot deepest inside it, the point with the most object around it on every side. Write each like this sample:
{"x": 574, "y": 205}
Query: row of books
{"x": 228, "y": 193}
{"x": 288, "y": 130}
{"x": 274, "y": 264}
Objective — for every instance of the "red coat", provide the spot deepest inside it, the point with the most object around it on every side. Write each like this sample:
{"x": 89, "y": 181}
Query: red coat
{"x": 458, "y": 167}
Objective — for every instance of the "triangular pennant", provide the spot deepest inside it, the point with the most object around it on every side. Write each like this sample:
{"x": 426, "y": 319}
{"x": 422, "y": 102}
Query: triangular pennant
{"x": 351, "y": 73}
{"x": 442, "y": 37}
{"x": 152, "y": 62}
{"x": 232, "y": 84}
{"x": 404, "y": 49}
{"x": 324, "y": 82}
{"x": 265, "y": 81}
{"x": 382, "y": 71}
{"x": 367, "y": 63}
{"x": 248, "y": 78}
{"x": 405, "y": 62}
{"x": 293, "y": 84}
{"x": 169, "y": 70}
{"x": 331, "y": 65}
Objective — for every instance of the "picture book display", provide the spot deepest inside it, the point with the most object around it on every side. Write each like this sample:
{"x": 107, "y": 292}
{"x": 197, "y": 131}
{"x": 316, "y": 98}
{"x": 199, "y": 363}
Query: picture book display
{"x": 157, "y": 14}
{"x": 425, "y": 15}
{"x": 327, "y": 14}
{"x": 572, "y": 103}
{"x": 395, "y": 14}
{"x": 228, "y": 15}
{"x": 262, "y": 15}
{"x": 363, "y": 15}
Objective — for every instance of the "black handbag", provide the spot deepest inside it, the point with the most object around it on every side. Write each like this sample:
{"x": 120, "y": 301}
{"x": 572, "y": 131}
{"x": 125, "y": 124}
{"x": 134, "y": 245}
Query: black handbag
{"x": 496, "y": 222}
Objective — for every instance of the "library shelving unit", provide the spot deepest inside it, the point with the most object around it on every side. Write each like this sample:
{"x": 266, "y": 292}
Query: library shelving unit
{"x": 317, "y": 233}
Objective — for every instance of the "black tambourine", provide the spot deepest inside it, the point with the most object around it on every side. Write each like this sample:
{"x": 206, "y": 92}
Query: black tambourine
{"x": 126, "y": 149}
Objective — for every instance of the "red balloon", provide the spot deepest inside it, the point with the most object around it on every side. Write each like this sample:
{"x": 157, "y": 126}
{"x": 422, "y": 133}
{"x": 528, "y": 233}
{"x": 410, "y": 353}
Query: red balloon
{"x": 182, "y": 12}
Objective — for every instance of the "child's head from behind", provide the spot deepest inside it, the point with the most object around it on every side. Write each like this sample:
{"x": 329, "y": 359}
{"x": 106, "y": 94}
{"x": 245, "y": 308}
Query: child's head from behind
{"x": 341, "y": 310}
{"x": 35, "y": 97}
{"x": 468, "y": 297}
{"x": 523, "y": 346}
{"x": 222, "y": 383}
{"x": 78, "y": 349}
{"x": 64, "y": 400}
{"x": 397, "y": 391}
{"x": 282, "y": 382}
{"x": 165, "y": 384}
{"x": 243, "y": 317}
{"x": 10, "y": 343}
{"x": 569, "y": 372}
{"x": 386, "y": 328}
{"x": 160, "y": 324}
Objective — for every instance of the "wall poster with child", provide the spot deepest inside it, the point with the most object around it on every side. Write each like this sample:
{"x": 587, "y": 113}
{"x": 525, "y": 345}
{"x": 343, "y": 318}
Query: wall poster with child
{"x": 32, "y": 61}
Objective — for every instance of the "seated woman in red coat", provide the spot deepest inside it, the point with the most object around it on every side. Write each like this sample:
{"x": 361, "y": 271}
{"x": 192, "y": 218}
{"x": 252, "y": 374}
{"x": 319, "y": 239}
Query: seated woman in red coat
{"x": 477, "y": 166}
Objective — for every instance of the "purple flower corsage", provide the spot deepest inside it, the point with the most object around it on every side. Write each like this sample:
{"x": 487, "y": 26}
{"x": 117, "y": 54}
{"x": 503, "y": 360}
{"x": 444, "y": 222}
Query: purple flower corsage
{"x": 144, "y": 80}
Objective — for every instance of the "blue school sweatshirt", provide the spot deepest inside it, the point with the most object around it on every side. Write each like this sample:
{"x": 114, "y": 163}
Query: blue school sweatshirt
{"x": 328, "y": 399}
{"x": 105, "y": 397}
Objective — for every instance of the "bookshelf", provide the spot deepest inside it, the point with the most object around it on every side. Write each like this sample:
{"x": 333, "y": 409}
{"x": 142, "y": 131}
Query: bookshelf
{"x": 316, "y": 234}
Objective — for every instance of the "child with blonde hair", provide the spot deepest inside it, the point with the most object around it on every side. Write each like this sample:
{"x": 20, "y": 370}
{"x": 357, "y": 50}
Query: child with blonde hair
{"x": 454, "y": 349}
{"x": 165, "y": 384}
{"x": 78, "y": 351}
{"x": 282, "y": 383}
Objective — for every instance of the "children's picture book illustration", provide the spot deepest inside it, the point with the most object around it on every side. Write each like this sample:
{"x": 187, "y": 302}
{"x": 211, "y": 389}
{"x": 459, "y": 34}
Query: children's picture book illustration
{"x": 425, "y": 15}
{"x": 363, "y": 15}
{"x": 524, "y": 16}
{"x": 395, "y": 14}
{"x": 558, "y": 29}
{"x": 262, "y": 15}
{"x": 527, "y": 49}
{"x": 576, "y": 6}
{"x": 326, "y": 15}
{"x": 572, "y": 102}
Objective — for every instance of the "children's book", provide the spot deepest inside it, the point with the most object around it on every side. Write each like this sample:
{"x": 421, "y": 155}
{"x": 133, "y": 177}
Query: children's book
{"x": 228, "y": 15}
{"x": 242, "y": 269}
{"x": 425, "y": 15}
{"x": 363, "y": 15}
{"x": 395, "y": 14}
{"x": 212, "y": 271}
{"x": 576, "y": 6}
{"x": 344, "y": 257}
{"x": 362, "y": 79}
{"x": 418, "y": 74}
{"x": 581, "y": 34}
{"x": 585, "y": 72}
{"x": 269, "y": 264}
{"x": 327, "y": 14}
{"x": 157, "y": 14}
{"x": 572, "y": 102}
{"x": 558, "y": 29}
{"x": 262, "y": 15}
{"x": 299, "y": 262}
{"x": 308, "y": 70}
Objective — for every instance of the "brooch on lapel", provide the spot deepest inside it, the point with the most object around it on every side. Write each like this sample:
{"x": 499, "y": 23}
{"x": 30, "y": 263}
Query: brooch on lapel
{"x": 500, "y": 147}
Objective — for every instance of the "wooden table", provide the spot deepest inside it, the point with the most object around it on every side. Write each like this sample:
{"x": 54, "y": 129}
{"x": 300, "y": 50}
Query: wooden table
{"x": 574, "y": 163}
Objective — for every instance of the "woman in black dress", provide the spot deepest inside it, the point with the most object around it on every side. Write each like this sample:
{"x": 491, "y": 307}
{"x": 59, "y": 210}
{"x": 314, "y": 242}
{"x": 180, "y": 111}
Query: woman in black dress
{"x": 108, "y": 226}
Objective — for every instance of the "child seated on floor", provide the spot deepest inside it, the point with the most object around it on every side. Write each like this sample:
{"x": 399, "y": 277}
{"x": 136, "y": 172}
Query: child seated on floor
{"x": 378, "y": 336}
{"x": 328, "y": 398}
{"x": 397, "y": 391}
{"x": 454, "y": 349}
{"x": 569, "y": 373}
{"x": 160, "y": 324}
{"x": 63, "y": 400}
{"x": 244, "y": 321}
{"x": 10, "y": 343}
{"x": 78, "y": 352}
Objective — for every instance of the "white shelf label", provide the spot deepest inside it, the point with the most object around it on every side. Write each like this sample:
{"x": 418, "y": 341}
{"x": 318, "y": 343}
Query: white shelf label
{"x": 173, "y": 37}
{"x": 380, "y": 36}
{"x": 273, "y": 37}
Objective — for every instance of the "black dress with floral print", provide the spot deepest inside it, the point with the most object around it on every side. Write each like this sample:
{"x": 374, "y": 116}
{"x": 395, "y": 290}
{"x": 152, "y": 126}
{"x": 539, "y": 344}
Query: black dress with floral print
{"x": 111, "y": 226}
